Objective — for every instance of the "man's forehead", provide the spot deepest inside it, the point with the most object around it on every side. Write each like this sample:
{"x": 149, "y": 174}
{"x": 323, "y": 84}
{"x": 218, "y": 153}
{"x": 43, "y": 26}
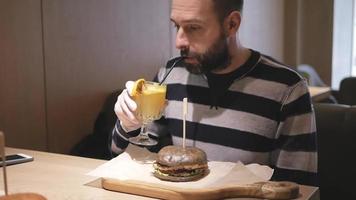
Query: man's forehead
{"x": 191, "y": 9}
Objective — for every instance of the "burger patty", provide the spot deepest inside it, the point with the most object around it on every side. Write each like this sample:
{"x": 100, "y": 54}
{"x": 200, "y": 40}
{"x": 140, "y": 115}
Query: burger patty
{"x": 197, "y": 172}
{"x": 185, "y": 170}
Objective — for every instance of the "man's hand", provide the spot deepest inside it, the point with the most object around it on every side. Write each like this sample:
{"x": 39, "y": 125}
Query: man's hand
{"x": 125, "y": 107}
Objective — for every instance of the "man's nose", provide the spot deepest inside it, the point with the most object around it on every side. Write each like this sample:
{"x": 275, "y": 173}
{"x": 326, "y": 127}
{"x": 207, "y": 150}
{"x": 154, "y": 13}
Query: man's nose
{"x": 182, "y": 41}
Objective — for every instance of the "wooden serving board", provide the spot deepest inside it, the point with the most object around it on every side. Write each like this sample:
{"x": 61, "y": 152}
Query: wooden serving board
{"x": 265, "y": 190}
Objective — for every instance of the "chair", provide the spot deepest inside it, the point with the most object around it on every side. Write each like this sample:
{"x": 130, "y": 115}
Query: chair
{"x": 336, "y": 130}
{"x": 347, "y": 91}
{"x": 311, "y": 75}
{"x": 313, "y": 78}
{"x": 96, "y": 145}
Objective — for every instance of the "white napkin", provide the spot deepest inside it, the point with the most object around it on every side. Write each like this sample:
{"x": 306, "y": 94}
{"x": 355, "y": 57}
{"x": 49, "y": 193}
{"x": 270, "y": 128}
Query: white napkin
{"x": 136, "y": 164}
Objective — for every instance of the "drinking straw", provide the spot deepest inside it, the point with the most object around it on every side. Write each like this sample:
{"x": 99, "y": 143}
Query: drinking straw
{"x": 170, "y": 69}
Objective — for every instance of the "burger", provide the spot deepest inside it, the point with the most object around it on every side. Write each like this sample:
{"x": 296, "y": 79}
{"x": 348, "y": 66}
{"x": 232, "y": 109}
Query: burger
{"x": 178, "y": 164}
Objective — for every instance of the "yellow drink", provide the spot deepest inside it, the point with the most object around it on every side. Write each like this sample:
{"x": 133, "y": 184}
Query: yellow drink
{"x": 151, "y": 101}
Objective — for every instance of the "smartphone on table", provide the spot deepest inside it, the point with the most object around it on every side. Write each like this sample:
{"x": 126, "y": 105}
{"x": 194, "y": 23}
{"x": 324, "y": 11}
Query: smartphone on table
{"x": 16, "y": 159}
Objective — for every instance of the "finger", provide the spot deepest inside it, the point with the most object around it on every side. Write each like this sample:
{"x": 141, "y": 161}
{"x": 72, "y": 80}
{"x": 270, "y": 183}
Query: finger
{"x": 129, "y": 86}
{"x": 130, "y": 125}
{"x": 117, "y": 108}
{"x": 127, "y": 111}
{"x": 131, "y": 104}
{"x": 123, "y": 116}
{"x": 120, "y": 108}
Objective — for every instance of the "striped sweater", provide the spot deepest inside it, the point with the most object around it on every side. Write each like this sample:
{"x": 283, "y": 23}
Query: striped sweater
{"x": 265, "y": 116}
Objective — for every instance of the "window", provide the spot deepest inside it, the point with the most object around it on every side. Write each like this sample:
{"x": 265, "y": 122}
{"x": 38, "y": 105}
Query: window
{"x": 344, "y": 47}
{"x": 353, "y": 70}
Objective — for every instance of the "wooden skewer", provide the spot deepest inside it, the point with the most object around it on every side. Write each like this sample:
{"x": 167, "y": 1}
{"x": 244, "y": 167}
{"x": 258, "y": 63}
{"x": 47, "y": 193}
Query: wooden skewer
{"x": 2, "y": 149}
{"x": 185, "y": 111}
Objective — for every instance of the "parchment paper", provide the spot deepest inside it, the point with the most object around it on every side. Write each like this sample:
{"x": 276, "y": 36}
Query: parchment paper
{"x": 136, "y": 164}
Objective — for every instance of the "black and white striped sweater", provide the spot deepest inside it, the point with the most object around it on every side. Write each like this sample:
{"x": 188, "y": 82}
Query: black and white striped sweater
{"x": 264, "y": 117}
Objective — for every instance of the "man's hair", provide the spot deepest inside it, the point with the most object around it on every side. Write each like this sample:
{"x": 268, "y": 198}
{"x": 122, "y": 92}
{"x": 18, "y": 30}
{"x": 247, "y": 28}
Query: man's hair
{"x": 224, "y": 7}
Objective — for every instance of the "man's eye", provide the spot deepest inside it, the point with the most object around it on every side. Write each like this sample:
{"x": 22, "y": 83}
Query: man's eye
{"x": 193, "y": 27}
{"x": 176, "y": 26}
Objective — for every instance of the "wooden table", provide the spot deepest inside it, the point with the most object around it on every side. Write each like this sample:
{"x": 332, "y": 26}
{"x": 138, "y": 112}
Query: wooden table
{"x": 319, "y": 93}
{"x": 59, "y": 177}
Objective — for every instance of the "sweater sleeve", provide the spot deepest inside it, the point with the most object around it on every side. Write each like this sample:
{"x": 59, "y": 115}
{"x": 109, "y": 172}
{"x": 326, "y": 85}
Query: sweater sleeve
{"x": 295, "y": 154}
{"x": 119, "y": 138}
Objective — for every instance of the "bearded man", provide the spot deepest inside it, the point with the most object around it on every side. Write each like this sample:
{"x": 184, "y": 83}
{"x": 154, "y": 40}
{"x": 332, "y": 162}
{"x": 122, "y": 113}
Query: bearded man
{"x": 243, "y": 106}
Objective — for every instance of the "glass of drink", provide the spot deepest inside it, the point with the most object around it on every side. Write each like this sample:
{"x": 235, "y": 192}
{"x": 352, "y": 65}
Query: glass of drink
{"x": 150, "y": 104}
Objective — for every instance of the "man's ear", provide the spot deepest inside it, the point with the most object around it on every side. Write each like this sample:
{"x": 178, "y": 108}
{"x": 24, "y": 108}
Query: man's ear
{"x": 232, "y": 23}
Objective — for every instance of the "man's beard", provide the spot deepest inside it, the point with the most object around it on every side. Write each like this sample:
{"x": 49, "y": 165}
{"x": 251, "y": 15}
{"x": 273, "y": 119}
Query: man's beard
{"x": 216, "y": 57}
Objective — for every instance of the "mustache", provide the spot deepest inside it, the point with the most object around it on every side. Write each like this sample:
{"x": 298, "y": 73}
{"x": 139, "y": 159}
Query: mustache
{"x": 186, "y": 53}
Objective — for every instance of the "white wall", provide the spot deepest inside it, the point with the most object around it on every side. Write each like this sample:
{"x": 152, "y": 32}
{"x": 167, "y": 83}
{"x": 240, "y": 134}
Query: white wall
{"x": 263, "y": 27}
